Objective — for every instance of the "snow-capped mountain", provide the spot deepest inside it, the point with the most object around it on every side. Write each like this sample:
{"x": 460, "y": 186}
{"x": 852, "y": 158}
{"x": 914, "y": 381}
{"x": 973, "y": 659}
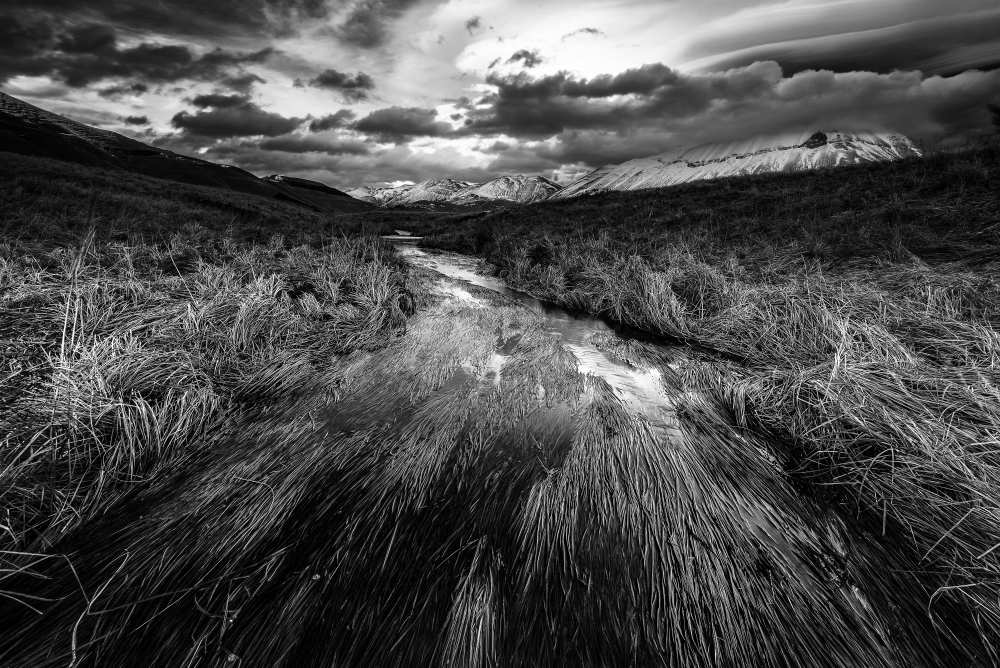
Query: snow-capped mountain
{"x": 521, "y": 189}
{"x": 432, "y": 191}
{"x": 760, "y": 155}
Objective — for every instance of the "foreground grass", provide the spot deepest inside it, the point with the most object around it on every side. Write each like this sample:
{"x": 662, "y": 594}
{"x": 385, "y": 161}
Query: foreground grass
{"x": 866, "y": 338}
{"x": 216, "y": 451}
{"x": 118, "y": 358}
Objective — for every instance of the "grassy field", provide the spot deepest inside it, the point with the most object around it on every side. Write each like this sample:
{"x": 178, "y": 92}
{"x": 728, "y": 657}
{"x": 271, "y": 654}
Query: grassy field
{"x": 139, "y": 317}
{"x": 859, "y": 312}
{"x": 227, "y": 439}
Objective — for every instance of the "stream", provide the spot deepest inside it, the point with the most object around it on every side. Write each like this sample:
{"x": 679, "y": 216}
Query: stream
{"x": 637, "y": 385}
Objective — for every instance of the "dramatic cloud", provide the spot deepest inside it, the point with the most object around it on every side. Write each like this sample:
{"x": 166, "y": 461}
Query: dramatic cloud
{"x": 191, "y": 18}
{"x": 314, "y": 144}
{"x": 339, "y": 119}
{"x": 242, "y": 83}
{"x": 219, "y": 101}
{"x": 529, "y": 58}
{"x": 353, "y": 87}
{"x": 651, "y": 109}
{"x": 551, "y": 104}
{"x": 92, "y": 38}
{"x": 398, "y": 124}
{"x": 244, "y": 119}
{"x": 367, "y": 24}
{"x": 936, "y": 39}
{"x": 466, "y": 89}
{"x": 124, "y": 89}
{"x": 87, "y": 53}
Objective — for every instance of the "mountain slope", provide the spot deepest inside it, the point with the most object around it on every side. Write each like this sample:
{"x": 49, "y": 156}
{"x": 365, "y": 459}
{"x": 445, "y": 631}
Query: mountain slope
{"x": 433, "y": 191}
{"x": 783, "y": 153}
{"x": 318, "y": 195}
{"x": 30, "y": 130}
{"x": 521, "y": 189}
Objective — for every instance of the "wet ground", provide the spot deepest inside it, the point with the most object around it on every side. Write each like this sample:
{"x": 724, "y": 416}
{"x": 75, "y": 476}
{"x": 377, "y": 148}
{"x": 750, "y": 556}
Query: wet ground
{"x": 506, "y": 483}
{"x": 609, "y": 470}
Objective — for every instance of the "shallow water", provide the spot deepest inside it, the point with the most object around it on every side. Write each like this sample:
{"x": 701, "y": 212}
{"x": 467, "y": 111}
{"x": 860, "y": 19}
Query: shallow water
{"x": 796, "y": 537}
{"x": 639, "y": 386}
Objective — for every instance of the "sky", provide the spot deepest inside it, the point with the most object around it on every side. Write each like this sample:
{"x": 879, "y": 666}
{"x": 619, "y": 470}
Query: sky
{"x": 353, "y": 92}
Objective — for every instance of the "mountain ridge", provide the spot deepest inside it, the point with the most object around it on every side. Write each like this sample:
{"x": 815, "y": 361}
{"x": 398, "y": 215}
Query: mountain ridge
{"x": 519, "y": 189}
{"x": 788, "y": 152}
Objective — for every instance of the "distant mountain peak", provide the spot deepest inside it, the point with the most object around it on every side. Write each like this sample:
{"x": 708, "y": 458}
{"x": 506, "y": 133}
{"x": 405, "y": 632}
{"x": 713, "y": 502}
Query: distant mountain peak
{"x": 518, "y": 188}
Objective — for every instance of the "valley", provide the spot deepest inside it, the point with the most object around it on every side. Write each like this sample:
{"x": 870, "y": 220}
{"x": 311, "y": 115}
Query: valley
{"x": 750, "y": 420}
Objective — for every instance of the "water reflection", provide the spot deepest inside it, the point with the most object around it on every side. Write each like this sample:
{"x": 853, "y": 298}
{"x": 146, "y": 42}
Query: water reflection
{"x": 639, "y": 387}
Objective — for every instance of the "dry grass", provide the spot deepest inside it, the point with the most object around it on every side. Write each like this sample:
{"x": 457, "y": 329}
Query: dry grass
{"x": 882, "y": 380}
{"x": 117, "y": 359}
{"x": 190, "y": 479}
{"x": 483, "y": 523}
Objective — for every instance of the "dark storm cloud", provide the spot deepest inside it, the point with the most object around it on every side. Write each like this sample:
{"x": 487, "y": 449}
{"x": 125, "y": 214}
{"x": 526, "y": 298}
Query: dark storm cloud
{"x": 136, "y": 120}
{"x": 219, "y": 101}
{"x": 652, "y": 109}
{"x": 152, "y": 62}
{"x": 548, "y": 105}
{"x": 936, "y": 45}
{"x": 241, "y": 120}
{"x": 182, "y": 18}
{"x": 367, "y": 23}
{"x": 339, "y": 119}
{"x": 23, "y": 35}
{"x": 398, "y": 124}
{"x": 353, "y": 87}
{"x": 82, "y": 54}
{"x": 136, "y": 88}
{"x": 23, "y": 40}
{"x": 242, "y": 83}
{"x": 529, "y": 58}
{"x": 93, "y": 38}
{"x": 313, "y": 144}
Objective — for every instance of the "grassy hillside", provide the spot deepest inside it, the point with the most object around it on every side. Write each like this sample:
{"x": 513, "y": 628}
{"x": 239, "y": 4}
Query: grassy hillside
{"x": 29, "y": 130}
{"x": 51, "y": 201}
{"x": 941, "y": 208}
{"x": 859, "y": 311}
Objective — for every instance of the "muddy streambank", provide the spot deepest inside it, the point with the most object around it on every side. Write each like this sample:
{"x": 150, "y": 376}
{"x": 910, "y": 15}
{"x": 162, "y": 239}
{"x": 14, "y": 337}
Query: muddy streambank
{"x": 505, "y": 484}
